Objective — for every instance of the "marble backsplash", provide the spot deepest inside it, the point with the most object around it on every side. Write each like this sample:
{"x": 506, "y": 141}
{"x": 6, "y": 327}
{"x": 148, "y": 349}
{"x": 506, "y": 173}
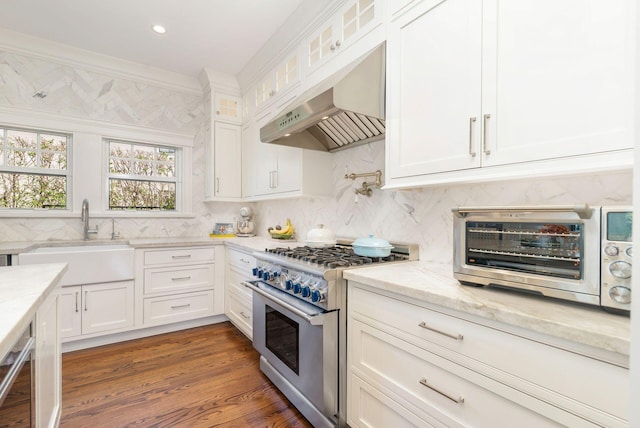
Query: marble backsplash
{"x": 423, "y": 216}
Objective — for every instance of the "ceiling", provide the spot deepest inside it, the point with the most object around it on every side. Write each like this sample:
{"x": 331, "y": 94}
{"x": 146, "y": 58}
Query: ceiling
{"x": 219, "y": 34}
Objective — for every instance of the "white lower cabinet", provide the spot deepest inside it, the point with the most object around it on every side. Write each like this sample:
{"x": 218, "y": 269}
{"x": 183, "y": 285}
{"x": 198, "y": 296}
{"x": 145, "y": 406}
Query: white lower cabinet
{"x": 48, "y": 370}
{"x": 238, "y": 299}
{"x": 429, "y": 368}
{"x": 97, "y": 308}
{"x": 180, "y": 284}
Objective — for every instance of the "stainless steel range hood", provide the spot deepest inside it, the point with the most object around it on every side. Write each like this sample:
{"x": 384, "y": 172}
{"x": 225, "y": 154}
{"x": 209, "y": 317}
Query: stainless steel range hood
{"x": 344, "y": 111}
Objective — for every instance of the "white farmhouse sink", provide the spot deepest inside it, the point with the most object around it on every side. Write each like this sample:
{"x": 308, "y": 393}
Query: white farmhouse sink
{"x": 87, "y": 264}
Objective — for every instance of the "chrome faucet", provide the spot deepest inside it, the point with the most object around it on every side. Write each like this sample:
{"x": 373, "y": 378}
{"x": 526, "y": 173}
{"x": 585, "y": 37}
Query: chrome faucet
{"x": 85, "y": 218}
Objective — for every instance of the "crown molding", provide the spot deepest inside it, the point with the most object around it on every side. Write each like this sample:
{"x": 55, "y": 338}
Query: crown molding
{"x": 22, "y": 44}
{"x": 212, "y": 81}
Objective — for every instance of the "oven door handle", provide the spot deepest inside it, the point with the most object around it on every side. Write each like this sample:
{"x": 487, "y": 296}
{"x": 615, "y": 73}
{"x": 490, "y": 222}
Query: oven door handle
{"x": 7, "y": 382}
{"x": 582, "y": 210}
{"x": 311, "y": 319}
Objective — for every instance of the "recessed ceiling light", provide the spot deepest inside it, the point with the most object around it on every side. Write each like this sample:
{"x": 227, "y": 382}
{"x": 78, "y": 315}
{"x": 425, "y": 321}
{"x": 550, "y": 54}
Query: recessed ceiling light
{"x": 159, "y": 29}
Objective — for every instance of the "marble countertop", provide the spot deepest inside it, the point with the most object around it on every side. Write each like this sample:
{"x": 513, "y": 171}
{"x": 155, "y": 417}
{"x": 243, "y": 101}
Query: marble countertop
{"x": 434, "y": 283}
{"x": 255, "y": 243}
{"x": 23, "y": 289}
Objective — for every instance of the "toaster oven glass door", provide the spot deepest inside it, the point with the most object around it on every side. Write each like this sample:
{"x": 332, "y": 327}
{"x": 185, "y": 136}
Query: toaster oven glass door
{"x": 554, "y": 250}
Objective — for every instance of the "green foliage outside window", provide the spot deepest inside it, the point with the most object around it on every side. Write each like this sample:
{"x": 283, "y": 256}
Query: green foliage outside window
{"x": 141, "y": 177}
{"x": 33, "y": 169}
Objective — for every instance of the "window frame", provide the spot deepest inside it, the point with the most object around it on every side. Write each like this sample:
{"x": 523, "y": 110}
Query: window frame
{"x": 66, "y": 173}
{"x": 177, "y": 178}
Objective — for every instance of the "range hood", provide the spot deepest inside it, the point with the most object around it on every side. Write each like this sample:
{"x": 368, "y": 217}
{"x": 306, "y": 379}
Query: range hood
{"x": 344, "y": 111}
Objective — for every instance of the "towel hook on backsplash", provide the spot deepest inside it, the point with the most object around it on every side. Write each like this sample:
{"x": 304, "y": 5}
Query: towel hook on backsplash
{"x": 367, "y": 186}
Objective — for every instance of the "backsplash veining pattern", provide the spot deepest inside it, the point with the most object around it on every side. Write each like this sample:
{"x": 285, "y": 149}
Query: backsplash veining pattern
{"x": 91, "y": 95}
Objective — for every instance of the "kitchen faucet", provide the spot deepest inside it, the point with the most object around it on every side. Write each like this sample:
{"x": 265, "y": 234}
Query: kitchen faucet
{"x": 85, "y": 218}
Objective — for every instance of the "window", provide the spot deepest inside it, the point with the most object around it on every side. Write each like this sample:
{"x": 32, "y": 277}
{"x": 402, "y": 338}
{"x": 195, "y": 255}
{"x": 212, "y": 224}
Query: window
{"x": 142, "y": 176}
{"x": 34, "y": 169}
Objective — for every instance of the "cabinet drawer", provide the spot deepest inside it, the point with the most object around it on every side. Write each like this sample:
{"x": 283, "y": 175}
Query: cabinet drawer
{"x": 179, "y": 256}
{"x": 168, "y": 309}
{"x": 369, "y": 408}
{"x": 541, "y": 370}
{"x": 453, "y": 394}
{"x": 240, "y": 312}
{"x": 162, "y": 280}
{"x": 235, "y": 278}
{"x": 241, "y": 260}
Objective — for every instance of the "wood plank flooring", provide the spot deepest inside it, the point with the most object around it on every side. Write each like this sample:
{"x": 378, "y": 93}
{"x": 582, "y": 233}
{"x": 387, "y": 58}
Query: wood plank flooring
{"x": 203, "y": 377}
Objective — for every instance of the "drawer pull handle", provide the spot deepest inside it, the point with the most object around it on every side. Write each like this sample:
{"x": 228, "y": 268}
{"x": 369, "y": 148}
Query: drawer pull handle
{"x": 181, "y": 306}
{"x": 186, "y": 256}
{"x": 458, "y": 400}
{"x": 181, "y": 278}
{"x": 244, "y": 315}
{"x": 86, "y": 293}
{"x": 453, "y": 336}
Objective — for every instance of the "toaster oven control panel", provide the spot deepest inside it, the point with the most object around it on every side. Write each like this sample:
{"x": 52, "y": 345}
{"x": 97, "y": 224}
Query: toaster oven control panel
{"x": 616, "y": 258}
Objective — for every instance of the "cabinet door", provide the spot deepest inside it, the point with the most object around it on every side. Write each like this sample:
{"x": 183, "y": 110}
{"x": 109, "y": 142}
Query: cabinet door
{"x": 288, "y": 170}
{"x": 228, "y": 161}
{"x": 48, "y": 363}
{"x": 557, "y": 78}
{"x": 71, "y": 311}
{"x": 107, "y": 306}
{"x": 433, "y": 77}
{"x": 227, "y": 108}
{"x": 321, "y": 45}
{"x": 264, "y": 165}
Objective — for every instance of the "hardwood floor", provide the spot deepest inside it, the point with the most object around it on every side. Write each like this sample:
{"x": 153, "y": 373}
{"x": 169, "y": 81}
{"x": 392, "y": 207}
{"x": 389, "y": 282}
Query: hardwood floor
{"x": 203, "y": 377}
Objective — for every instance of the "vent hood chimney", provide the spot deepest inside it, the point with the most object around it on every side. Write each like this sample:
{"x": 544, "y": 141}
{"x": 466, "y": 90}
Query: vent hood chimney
{"x": 344, "y": 111}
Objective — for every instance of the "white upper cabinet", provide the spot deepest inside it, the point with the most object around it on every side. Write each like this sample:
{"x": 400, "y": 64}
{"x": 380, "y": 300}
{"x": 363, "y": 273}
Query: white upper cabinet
{"x": 354, "y": 20}
{"x": 223, "y": 147}
{"x": 473, "y": 84}
{"x": 434, "y": 99}
{"x": 227, "y": 161}
{"x": 277, "y": 83}
{"x": 276, "y": 171}
{"x": 227, "y": 108}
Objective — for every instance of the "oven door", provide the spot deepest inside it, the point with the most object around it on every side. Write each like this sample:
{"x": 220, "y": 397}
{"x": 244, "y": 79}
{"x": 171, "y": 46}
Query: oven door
{"x": 298, "y": 343}
{"x": 17, "y": 406}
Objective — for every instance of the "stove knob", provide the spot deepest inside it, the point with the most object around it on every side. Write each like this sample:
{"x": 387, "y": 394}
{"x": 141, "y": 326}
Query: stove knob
{"x": 317, "y": 296}
{"x": 306, "y": 291}
{"x": 288, "y": 284}
{"x": 297, "y": 288}
{"x": 611, "y": 250}
{"x": 254, "y": 271}
{"x": 260, "y": 272}
{"x": 629, "y": 252}
{"x": 267, "y": 276}
{"x": 621, "y": 270}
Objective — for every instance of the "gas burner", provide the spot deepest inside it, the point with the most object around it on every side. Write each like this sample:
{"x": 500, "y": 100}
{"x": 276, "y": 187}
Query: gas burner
{"x": 330, "y": 257}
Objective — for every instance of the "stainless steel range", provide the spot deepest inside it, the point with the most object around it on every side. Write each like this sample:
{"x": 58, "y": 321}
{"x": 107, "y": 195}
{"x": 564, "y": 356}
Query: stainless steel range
{"x": 299, "y": 323}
